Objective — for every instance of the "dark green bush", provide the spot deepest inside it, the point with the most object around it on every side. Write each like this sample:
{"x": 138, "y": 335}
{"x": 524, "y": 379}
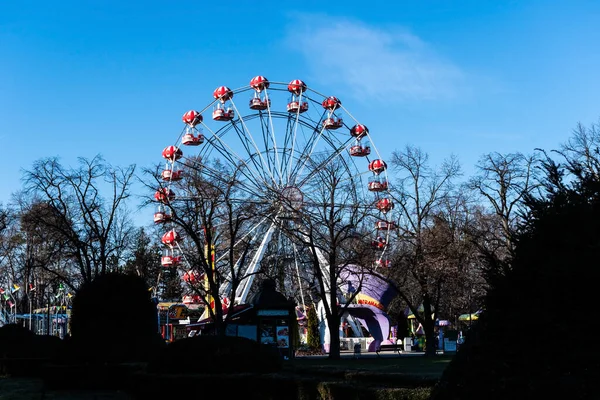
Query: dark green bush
{"x": 214, "y": 354}
{"x": 114, "y": 320}
{"x": 23, "y": 353}
{"x": 15, "y": 341}
{"x": 313, "y": 336}
{"x": 536, "y": 338}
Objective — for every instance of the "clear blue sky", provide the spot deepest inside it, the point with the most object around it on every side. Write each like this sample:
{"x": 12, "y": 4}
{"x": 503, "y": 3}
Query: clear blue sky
{"x": 80, "y": 78}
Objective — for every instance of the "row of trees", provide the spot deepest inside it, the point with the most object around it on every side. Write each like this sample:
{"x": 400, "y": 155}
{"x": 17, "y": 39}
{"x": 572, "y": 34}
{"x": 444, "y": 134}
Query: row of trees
{"x": 68, "y": 226}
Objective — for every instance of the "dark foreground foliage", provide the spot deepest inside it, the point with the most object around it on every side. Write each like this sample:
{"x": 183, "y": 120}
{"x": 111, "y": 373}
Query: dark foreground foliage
{"x": 22, "y": 353}
{"x": 214, "y": 354}
{"x": 537, "y": 336}
{"x": 113, "y": 320}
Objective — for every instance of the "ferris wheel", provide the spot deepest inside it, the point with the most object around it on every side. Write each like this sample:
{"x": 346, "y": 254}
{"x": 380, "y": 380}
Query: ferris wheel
{"x": 283, "y": 141}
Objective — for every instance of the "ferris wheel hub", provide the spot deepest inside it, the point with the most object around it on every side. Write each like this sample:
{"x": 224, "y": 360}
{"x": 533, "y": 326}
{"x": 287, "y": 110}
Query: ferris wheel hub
{"x": 291, "y": 198}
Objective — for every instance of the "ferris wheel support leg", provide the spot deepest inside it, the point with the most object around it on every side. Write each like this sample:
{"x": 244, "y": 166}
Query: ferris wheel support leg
{"x": 353, "y": 325}
{"x": 323, "y": 264}
{"x": 253, "y": 267}
{"x": 226, "y": 285}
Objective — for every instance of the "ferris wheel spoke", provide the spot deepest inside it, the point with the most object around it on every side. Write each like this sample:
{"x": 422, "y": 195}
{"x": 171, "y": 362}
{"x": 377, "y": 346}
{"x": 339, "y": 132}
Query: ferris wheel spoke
{"x": 305, "y": 156}
{"x": 218, "y": 176}
{"x": 270, "y": 148}
{"x": 247, "y": 139}
{"x": 269, "y": 133}
{"x": 252, "y": 156}
{"x": 227, "y": 283}
{"x": 293, "y": 133}
{"x": 293, "y": 138}
{"x": 235, "y": 160}
{"x": 330, "y": 158}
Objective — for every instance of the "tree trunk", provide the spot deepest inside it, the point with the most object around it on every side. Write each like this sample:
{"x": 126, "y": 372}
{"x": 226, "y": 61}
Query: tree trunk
{"x": 334, "y": 337}
{"x": 428, "y": 328}
{"x": 430, "y": 339}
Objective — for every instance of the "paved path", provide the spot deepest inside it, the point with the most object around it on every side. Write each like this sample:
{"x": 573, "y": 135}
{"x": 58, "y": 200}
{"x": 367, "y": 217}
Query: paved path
{"x": 363, "y": 354}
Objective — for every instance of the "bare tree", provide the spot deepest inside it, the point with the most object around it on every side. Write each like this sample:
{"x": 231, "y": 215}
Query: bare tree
{"x": 582, "y": 151}
{"x": 10, "y": 272}
{"x": 503, "y": 182}
{"x": 426, "y": 234}
{"x": 332, "y": 227}
{"x": 143, "y": 260}
{"x": 208, "y": 234}
{"x": 94, "y": 228}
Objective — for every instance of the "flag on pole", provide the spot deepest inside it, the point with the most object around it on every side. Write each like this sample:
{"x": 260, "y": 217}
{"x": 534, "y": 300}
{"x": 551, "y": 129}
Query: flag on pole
{"x": 1, "y": 291}
{"x": 6, "y": 297}
{"x": 61, "y": 288}
{"x": 15, "y": 288}
{"x": 69, "y": 295}
{"x": 10, "y": 304}
{"x": 31, "y": 287}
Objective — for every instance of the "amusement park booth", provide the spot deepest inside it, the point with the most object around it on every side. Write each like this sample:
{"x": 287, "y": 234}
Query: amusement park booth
{"x": 268, "y": 318}
{"x": 174, "y": 317}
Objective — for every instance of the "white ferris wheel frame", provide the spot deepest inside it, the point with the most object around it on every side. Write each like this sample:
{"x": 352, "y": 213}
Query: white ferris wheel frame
{"x": 269, "y": 163}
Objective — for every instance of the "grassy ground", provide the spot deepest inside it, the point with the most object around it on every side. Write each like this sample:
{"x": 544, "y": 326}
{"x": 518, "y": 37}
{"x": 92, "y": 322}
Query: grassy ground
{"x": 20, "y": 388}
{"x": 406, "y": 366}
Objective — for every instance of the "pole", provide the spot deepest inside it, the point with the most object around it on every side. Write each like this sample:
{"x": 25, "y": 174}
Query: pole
{"x": 67, "y": 315}
{"x": 48, "y": 311}
{"x": 64, "y": 308}
{"x": 14, "y": 308}
{"x": 167, "y": 325}
{"x": 30, "y": 307}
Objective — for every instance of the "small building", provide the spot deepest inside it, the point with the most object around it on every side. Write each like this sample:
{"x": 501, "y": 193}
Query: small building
{"x": 268, "y": 318}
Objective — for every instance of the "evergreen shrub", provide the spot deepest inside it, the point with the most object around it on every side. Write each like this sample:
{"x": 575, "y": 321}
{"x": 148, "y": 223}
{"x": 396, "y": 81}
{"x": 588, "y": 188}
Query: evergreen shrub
{"x": 114, "y": 320}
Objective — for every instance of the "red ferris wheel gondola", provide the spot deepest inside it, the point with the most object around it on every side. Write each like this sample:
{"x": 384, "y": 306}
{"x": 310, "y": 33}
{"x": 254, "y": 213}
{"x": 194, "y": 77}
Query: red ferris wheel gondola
{"x": 259, "y": 83}
{"x": 377, "y": 166}
{"x": 379, "y": 243}
{"x": 384, "y": 225}
{"x": 258, "y": 102}
{"x": 164, "y": 195}
{"x": 331, "y": 103}
{"x": 359, "y": 150}
{"x": 192, "y": 276}
{"x": 172, "y": 153}
{"x": 192, "y": 118}
{"x": 171, "y": 238}
{"x": 384, "y": 205}
{"x": 170, "y": 258}
{"x": 223, "y": 94}
{"x": 359, "y": 131}
{"x": 162, "y": 214}
{"x": 378, "y": 185}
{"x": 383, "y": 263}
{"x": 221, "y": 112}
{"x": 297, "y": 87}
{"x": 191, "y": 299}
{"x": 172, "y": 175}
